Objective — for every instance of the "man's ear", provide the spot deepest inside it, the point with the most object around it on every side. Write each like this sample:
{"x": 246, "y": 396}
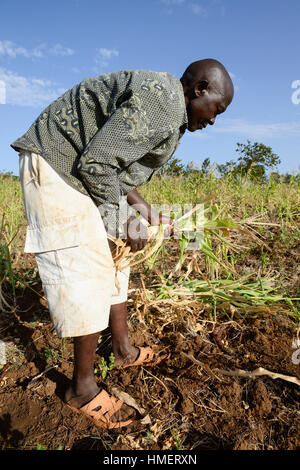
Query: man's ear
{"x": 200, "y": 87}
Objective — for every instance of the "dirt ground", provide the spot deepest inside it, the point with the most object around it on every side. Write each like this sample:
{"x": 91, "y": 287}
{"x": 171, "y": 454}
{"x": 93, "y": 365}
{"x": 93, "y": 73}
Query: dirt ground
{"x": 190, "y": 402}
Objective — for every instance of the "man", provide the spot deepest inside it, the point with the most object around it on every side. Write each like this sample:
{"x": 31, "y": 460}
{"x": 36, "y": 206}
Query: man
{"x": 85, "y": 154}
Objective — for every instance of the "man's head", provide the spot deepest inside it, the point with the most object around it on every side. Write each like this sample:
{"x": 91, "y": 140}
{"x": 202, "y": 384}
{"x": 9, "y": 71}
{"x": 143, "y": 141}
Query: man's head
{"x": 208, "y": 90}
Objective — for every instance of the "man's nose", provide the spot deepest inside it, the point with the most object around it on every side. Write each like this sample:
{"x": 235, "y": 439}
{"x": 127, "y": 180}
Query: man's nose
{"x": 212, "y": 121}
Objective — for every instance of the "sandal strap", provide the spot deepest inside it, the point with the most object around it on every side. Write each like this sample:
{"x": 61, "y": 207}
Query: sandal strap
{"x": 102, "y": 407}
{"x": 101, "y": 404}
{"x": 149, "y": 354}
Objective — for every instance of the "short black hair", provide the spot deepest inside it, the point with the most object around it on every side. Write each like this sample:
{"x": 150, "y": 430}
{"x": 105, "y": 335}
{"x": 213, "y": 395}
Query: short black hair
{"x": 212, "y": 71}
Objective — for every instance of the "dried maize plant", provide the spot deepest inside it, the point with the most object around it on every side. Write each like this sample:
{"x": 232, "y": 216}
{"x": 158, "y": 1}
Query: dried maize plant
{"x": 201, "y": 230}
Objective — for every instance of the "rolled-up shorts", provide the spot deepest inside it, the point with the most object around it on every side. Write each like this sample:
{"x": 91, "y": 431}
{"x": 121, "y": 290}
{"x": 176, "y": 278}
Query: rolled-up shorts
{"x": 66, "y": 233}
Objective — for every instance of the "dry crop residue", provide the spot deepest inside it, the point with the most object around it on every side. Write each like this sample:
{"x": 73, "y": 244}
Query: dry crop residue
{"x": 191, "y": 404}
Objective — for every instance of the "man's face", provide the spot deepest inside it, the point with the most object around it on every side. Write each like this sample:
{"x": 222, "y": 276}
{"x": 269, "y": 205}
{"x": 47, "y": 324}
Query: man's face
{"x": 204, "y": 107}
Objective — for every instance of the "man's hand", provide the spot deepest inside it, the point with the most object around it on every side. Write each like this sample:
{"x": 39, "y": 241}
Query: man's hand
{"x": 137, "y": 234}
{"x": 136, "y": 201}
{"x": 157, "y": 219}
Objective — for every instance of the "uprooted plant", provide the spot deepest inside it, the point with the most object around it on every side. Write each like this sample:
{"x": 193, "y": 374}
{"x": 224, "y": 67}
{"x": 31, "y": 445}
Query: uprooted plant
{"x": 203, "y": 234}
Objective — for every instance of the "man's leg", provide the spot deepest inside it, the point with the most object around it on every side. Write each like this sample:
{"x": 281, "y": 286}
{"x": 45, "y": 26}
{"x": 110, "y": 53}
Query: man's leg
{"x": 83, "y": 387}
{"x": 123, "y": 351}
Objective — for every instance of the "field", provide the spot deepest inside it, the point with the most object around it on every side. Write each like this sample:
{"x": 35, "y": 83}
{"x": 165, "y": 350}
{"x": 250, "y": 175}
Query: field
{"x": 221, "y": 313}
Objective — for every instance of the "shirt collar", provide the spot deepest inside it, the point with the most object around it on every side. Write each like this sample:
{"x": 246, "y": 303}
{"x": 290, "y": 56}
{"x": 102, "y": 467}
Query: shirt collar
{"x": 182, "y": 102}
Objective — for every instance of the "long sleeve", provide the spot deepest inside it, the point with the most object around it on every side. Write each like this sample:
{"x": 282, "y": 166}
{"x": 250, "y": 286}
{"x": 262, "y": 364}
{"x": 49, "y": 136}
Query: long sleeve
{"x": 109, "y": 134}
{"x": 126, "y": 138}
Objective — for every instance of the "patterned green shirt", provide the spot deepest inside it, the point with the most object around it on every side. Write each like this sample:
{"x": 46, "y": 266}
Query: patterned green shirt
{"x": 110, "y": 133}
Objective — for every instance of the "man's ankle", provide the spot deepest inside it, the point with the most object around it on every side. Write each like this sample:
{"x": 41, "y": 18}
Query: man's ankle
{"x": 84, "y": 385}
{"x": 123, "y": 349}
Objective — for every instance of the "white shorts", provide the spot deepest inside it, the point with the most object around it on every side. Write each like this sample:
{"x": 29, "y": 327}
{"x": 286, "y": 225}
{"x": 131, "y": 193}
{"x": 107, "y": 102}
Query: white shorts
{"x": 67, "y": 235}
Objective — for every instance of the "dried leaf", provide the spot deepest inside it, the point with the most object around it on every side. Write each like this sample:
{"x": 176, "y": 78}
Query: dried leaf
{"x": 130, "y": 401}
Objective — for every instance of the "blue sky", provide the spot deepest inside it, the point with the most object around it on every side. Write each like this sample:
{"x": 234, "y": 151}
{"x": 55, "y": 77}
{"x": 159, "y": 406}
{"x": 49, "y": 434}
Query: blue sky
{"x": 47, "y": 47}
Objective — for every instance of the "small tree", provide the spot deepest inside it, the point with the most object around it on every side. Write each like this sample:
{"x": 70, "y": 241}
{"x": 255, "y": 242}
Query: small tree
{"x": 226, "y": 168}
{"x": 190, "y": 169}
{"x": 205, "y": 166}
{"x": 203, "y": 169}
{"x": 173, "y": 167}
{"x": 275, "y": 177}
{"x": 254, "y": 161}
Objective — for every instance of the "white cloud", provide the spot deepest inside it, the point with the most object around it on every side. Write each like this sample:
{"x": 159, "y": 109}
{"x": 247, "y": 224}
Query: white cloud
{"x": 60, "y": 50}
{"x": 103, "y": 56}
{"x": 108, "y": 53}
{"x": 12, "y": 50}
{"x": 241, "y": 126}
{"x": 38, "y": 52}
{"x": 169, "y": 4}
{"x": 23, "y": 91}
{"x": 198, "y": 9}
{"x": 2, "y": 92}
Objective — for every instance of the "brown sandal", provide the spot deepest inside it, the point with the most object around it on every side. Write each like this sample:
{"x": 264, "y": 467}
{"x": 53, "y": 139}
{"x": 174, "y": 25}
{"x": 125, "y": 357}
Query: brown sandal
{"x": 101, "y": 408}
{"x": 148, "y": 356}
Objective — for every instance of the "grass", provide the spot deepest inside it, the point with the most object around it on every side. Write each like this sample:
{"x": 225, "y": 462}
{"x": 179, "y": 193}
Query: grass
{"x": 236, "y": 276}
{"x": 41, "y": 447}
{"x": 11, "y": 204}
{"x": 220, "y": 240}
{"x": 50, "y": 355}
{"x": 14, "y": 354}
{"x": 235, "y": 211}
{"x": 276, "y": 199}
{"x": 270, "y": 211}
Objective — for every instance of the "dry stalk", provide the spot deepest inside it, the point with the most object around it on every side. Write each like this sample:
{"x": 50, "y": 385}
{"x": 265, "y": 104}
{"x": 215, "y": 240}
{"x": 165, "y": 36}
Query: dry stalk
{"x": 156, "y": 378}
{"x": 126, "y": 258}
{"x": 258, "y": 372}
{"x": 201, "y": 364}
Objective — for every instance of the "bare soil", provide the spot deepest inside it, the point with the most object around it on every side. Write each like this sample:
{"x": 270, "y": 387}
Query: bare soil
{"x": 191, "y": 404}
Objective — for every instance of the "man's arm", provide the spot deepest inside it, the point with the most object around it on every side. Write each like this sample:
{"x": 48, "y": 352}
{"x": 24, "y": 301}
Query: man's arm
{"x": 136, "y": 231}
{"x": 146, "y": 211}
{"x": 109, "y": 152}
